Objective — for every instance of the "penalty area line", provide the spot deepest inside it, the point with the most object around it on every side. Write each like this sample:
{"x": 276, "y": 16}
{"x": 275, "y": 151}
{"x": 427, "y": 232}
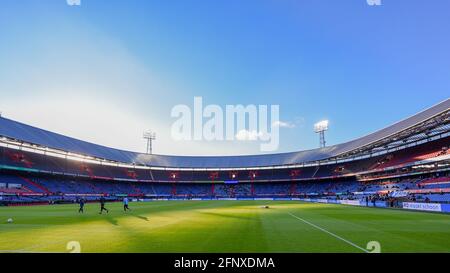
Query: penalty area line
{"x": 329, "y": 233}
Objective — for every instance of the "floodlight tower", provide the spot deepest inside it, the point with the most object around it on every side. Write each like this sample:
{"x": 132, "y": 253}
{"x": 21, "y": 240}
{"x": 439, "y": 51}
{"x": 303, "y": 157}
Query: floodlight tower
{"x": 149, "y": 136}
{"x": 320, "y": 128}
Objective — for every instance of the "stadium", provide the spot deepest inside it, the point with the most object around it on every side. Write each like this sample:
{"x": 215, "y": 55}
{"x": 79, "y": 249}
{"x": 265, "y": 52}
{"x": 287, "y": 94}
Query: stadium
{"x": 388, "y": 191}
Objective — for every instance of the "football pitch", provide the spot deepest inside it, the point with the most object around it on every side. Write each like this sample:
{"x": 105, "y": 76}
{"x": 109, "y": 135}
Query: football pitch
{"x": 222, "y": 226}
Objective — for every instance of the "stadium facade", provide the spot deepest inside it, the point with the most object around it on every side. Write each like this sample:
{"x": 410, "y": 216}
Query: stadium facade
{"x": 409, "y": 159}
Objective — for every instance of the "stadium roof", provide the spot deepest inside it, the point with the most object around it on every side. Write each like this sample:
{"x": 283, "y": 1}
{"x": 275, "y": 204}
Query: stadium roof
{"x": 25, "y": 133}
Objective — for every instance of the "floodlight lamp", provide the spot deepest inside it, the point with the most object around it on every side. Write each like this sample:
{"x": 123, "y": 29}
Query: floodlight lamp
{"x": 149, "y": 134}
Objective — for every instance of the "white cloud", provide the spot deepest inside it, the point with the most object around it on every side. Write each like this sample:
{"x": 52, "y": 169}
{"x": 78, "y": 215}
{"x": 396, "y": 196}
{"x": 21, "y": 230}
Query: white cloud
{"x": 283, "y": 124}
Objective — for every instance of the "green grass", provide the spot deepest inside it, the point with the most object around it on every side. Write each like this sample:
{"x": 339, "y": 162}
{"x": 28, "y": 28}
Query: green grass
{"x": 222, "y": 226}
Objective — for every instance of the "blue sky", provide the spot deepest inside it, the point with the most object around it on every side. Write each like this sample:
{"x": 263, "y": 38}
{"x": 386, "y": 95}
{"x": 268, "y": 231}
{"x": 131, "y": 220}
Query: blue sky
{"x": 108, "y": 69}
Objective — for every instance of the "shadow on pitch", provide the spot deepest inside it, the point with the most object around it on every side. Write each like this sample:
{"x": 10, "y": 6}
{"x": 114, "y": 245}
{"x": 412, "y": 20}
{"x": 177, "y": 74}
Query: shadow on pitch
{"x": 229, "y": 216}
{"x": 112, "y": 221}
{"x": 139, "y": 216}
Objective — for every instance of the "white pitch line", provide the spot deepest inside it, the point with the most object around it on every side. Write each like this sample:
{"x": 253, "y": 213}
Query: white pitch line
{"x": 329, "y": 232}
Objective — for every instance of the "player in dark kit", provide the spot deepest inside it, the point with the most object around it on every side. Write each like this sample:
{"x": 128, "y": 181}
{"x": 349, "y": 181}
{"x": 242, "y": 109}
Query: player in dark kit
{"x": 102, "y": 205}
{"x": 81, "y": 202}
